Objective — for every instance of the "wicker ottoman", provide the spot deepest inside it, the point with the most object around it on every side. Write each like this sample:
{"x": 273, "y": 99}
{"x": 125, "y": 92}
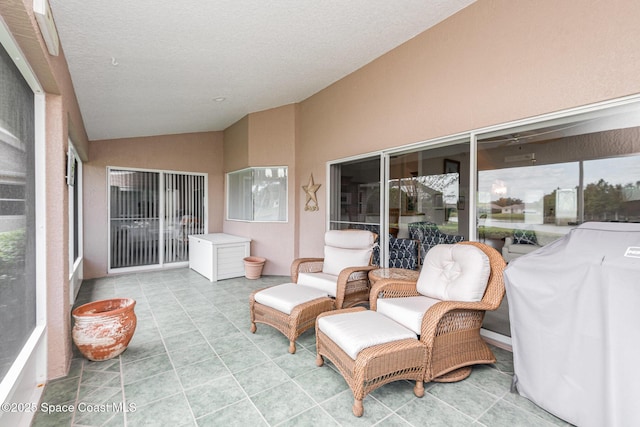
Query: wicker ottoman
{"x": 369, "y": 350}
{"x": 290, "y": 308}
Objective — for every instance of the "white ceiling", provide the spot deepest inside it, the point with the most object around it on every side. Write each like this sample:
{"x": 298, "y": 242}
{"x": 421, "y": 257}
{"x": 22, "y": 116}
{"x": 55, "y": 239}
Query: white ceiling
{"x": 155, "y": 67}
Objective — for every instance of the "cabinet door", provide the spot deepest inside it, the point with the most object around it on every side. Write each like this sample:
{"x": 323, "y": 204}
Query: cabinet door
{"x": 230, "y": 260}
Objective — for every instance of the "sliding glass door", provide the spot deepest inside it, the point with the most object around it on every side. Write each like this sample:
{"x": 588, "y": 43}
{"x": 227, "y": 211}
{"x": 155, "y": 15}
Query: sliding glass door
{"x": 538, "y": 182}
{"x": 412, "y": 199}
{"x": 152, "y": 213}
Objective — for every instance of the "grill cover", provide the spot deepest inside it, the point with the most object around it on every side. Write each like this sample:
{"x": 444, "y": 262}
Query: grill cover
{"x": 574, "y": 307}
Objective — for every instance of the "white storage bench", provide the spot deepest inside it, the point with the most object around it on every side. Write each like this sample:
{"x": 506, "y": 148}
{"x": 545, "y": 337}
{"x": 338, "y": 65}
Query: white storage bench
{"x": 217, "y": 255}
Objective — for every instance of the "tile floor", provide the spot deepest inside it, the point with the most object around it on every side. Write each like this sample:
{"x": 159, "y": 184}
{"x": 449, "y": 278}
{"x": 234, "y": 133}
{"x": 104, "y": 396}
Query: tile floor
{"x": 193, "y": 362}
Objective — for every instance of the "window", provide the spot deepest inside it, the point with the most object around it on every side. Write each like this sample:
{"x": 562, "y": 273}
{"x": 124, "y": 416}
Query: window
{"x": 537, "y": 182}
{"x": 17, "y": 212}
{"x": 257, "y": 194}
{"x": 355, "y": 195}
{"x": 419, "y": 200}
{"x": 547, "y": 180}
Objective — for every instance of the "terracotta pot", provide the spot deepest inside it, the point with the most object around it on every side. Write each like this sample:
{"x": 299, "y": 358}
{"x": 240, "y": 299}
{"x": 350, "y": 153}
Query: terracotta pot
{"x": 253, "y": 267}
{"x": 103, "y": 329}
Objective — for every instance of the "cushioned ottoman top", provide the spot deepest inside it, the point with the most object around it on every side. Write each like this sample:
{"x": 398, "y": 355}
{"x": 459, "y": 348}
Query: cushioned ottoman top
{"x": 353, "y": 332}
{"x": 287, "y": 296}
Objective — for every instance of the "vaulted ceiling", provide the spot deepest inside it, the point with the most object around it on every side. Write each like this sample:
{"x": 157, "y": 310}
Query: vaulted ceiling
{"x": 158, "y": 67}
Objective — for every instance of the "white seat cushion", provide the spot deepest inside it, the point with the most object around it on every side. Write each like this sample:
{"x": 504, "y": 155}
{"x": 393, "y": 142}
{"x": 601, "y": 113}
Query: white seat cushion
{"x": 322, "y": 281}
{"x": 353, "y": 332}
{"x": 287, "y": 296}
{"x": 454, "y": 273}
{"x": 407, "y": 311}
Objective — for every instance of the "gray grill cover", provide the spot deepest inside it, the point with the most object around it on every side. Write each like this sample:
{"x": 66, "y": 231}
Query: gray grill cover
{"x": 574, "y": 307}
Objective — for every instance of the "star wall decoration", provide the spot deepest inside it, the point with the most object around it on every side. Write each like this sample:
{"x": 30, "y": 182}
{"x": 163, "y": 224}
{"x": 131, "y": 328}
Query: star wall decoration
{"x": 311, "y": 204}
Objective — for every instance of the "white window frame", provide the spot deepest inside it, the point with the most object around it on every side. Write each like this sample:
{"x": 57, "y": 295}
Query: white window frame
{"x": 75, "y": 264}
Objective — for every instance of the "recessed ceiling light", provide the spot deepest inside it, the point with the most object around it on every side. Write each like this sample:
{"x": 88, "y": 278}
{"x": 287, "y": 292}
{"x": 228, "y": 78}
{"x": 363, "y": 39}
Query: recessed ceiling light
{"x": 219, "y": 99}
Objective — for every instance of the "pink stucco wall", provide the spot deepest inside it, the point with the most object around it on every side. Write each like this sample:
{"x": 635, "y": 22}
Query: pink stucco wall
{"x": 194, "y": 152}
{"x": 267, "y": 138}
{"x": 493, "y": 62}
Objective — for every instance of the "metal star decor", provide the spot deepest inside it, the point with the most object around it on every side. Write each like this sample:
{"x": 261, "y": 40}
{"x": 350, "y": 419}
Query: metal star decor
{"x": 310, "y": 191}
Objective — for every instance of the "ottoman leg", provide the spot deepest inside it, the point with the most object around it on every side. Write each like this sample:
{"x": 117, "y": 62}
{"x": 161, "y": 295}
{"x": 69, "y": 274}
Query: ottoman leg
{"x": 253, "y": 328}
{"x": 319, "y": 360}
{"x": 418, "y": 390}
{"x": 292, "y": 347}
{"x": 358, "y": 409}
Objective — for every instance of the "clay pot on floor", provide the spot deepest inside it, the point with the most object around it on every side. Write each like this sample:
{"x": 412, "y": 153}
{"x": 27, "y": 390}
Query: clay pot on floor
{"x": 253, "y": 267}
{"x": 103, "y": 329}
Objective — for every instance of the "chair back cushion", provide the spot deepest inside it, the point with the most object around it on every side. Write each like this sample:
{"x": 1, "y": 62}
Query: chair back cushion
{"x": 454, "y": 273}
{"x": 346, "y": 248}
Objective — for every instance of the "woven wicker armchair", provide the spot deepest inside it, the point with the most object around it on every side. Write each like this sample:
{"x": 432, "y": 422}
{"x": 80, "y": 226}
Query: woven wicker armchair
{"x": 318, "y": 286}
{"x": 352, "y": 283}
{"x": 451, "y": 329}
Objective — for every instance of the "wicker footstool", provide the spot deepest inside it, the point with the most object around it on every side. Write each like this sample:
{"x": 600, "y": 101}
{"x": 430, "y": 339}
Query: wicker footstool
{"x": 369, "y": 350}
{"x": 290, "y": 308}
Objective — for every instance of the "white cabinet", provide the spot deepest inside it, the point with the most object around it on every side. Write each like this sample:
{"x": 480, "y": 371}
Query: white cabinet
{"x": 218, "y": 256}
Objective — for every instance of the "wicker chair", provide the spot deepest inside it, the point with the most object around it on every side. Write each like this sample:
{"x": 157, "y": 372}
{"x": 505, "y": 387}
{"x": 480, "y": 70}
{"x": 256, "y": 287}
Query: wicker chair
{"x": 351, "y": 284}
{"x": 451, "y": 329}
{"x": 292, "y": 308}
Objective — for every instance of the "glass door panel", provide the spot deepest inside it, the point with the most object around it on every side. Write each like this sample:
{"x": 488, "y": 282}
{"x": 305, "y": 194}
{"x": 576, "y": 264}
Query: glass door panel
{"x": 427, "y": 201}
{"x": 536, "y": 184}
{"x": 183, "y": 213}
{"x": 356, "y": 194}
{"x": 134, "y": 217}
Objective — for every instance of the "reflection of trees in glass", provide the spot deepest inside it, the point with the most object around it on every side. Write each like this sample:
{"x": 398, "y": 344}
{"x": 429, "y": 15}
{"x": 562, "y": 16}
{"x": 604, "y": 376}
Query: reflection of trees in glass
{"x": 12, "y": 253}
{"x": 267, "y": 198}
{"x": 419, "y": 192}
{"x": 507, "y": 201}
{"x": 602, "y": 201}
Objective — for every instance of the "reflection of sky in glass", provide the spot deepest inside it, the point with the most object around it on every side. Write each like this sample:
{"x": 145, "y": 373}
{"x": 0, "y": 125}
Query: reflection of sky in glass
{"x": 618, "y": 170}
{"x": 526, "y": 182}
{"x": 522, "y": 182}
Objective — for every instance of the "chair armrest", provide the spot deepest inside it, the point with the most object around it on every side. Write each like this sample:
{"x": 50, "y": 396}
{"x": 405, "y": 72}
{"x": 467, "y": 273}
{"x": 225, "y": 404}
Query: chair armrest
{"x": 445, "y": 310}
{"x": 349, "y": 277}
{"x": 391, "y": 288}
{"x": 305, "y": 265}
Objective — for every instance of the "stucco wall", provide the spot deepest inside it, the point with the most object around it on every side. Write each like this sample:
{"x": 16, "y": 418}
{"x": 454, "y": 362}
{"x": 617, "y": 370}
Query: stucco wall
{"x": 493, "y": 62}
{"x": 270, "y": 138}
{"x": 195, "y": 152}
